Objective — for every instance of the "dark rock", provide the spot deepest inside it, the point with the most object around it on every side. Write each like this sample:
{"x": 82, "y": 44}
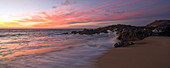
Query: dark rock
{"x": 159, "y": 23}
{"x": 118, "y": 45}
{"x": 131, "y": 33}
{"x": 131, "y": 43}
{"x": 65, "y": 33}
{"x": 123, "y": 44}
{"x": 161, "y": 27}
{"x": 165, "y": 31}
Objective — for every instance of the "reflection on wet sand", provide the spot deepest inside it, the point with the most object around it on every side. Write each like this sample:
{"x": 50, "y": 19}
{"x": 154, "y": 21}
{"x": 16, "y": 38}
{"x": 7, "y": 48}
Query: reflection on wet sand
{"x": 36, "y": 51}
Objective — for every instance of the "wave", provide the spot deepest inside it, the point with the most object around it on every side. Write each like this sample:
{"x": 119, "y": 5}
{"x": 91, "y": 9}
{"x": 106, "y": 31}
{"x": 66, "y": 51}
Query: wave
{"x": 8, "y": 35}
{"x": 64, "y": 51}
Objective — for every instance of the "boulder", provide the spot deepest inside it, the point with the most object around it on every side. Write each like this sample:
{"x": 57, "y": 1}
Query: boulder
{"x": 123, "y": 44}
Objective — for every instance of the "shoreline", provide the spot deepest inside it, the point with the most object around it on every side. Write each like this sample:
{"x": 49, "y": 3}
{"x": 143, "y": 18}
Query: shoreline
{"x": 152, "y": 52}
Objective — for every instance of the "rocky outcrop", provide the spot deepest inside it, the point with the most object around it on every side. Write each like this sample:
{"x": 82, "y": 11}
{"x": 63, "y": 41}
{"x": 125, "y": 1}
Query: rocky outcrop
{"x": 133, "y": 34}
{"x": 159, "y": 23}
{"x": 126, "y": 32}
{"x": 129, "y": 33}
{"x": 165, "y": 31}
{"x": 160, "y": 27}
{"x": 85, "y": 31}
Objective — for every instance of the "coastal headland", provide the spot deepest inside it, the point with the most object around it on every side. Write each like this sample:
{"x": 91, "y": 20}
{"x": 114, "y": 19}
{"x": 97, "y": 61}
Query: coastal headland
{"x": 150, "y": 46}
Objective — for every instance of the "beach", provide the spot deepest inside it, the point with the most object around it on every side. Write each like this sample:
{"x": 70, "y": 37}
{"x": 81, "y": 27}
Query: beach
{"x": 152, "y": 52}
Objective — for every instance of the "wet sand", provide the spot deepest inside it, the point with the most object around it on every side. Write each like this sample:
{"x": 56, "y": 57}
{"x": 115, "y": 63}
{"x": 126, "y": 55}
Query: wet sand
{"x": 152, "y": 52}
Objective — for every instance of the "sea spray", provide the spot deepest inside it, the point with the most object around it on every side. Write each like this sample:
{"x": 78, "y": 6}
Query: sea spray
{"x": 113, "y": 35}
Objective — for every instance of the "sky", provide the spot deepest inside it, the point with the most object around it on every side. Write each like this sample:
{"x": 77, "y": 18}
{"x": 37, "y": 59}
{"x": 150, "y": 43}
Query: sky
{"x": 80, "y": 13}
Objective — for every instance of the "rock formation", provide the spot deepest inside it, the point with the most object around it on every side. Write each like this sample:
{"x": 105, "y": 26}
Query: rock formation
{"x": 160, "y": 27}
{"x": 159, "y": 23}
{"x": 129, "y": 33}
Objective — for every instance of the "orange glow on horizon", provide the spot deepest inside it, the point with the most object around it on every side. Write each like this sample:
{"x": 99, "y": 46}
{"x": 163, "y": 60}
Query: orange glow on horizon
{"x": 67, "y": 16}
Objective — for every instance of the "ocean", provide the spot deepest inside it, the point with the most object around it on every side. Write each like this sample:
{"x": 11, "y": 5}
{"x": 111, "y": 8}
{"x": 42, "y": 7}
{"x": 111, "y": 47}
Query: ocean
{"x": 50, "y": 48}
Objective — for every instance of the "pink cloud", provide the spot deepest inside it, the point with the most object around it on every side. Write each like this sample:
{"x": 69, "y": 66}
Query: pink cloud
{"x": 68, "y": 2}
{"x": 66, "y": 15}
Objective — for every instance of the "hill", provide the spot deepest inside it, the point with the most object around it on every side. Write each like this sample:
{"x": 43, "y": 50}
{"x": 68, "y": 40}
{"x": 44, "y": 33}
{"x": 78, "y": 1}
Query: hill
{"x": 159, "y": 23}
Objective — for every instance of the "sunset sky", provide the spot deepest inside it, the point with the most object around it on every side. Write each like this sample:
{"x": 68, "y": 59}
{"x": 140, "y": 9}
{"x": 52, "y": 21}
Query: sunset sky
{"x": 80, "y": 13}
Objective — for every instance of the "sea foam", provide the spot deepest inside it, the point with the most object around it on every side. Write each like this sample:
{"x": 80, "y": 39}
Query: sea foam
{"x": 60, "y": 51}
